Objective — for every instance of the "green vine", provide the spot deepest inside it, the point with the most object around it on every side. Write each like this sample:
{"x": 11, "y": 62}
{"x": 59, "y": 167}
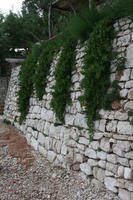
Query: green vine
{"x": 43, "y": 67}
{"x": 26, "y": 82}
{"x": 63, "y": 72}
{"x": 96, "y": 72}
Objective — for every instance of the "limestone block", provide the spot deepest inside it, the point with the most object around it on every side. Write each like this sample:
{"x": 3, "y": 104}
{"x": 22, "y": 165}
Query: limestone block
{"x": 51, "y": 156}
{"x": 131, "y": 164}
{"x": 111, "y": 167}
{"x": 92, "y": 163}
{"x": 94, "y": 145}
{"x": 102, "y": 164}
{"x": 46, "y": 128}
{"x": 120, "y": 171}
{"x": 71, "y": 143}
{"x": 69, "y": 119}
{"x": 130, "y": 55}
{"x": 105, "y": 145}
{"x": 110, "y": 184}
{"x": 123, "y": 161}
{"x": 124, "y": 128}
{"x": 129, "y": 84}
{"x": 78, "y": 158}
{"x": 34, "y": 143}
{"x": 124, "y": 40}
{"x": 86, "y": 169}
{"x": 129, "y": 155}
{"x": 91, "y": 153}
{"x": 97, "y": 135}
{"x": 108, "y": 173}
{"x": 102, "y": 125}
{"x": 41, "y": 138}
{"x": 123, "y": 93}
{"x": 74, "y": 134}
{"x": 126, "y": 75}
{"x": 120, "y": 183}
{"x": 64, "y": 149}
{"x": 112, "y": 158}
{"x": 111, "y": 126}
{"x": 121, "y": 116}
{"x": 99, "y": 174}
{"x": 128, "y": 173}
{"x": 102, "y": 155}
{"x": 36, "y": 110}
{"x": 124, "y": 194}
{"x": 129, "y": 185}
{"x": 132, "y": 74}
{"x": 130, "y": 94}
{"x": 42, "y": 151}
{"x": 80, "y": 120}
{"x": 84, "y": 141}
{"x": 128, "y": 106}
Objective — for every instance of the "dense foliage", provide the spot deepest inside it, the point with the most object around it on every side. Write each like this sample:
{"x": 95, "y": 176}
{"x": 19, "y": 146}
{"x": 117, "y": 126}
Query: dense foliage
{"x": 63, "y": 73}
{"x": 43, "y": 66}
{"x": 26, "y": 82}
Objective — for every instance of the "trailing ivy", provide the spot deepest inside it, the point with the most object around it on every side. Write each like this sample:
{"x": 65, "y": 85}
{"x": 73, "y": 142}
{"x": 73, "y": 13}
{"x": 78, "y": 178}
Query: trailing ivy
{"x": 63, "y": 72}
{"x": 43, "y": 67}
{"x": 26, "y": 82}
{"x": 96, "y": 71}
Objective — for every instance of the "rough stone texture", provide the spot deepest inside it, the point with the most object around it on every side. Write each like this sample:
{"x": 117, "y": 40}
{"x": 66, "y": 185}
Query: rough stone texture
{"x": 3, "y": 92}
{"x": 109, "y": 158}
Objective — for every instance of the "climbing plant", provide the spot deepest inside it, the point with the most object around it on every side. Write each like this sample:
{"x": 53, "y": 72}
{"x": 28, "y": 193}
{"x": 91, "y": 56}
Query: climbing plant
{"x": 26, "y": 82}
{"x": 63, "y": 72}
{"x": 43, "y": 66}
{"x": 96, "y": 71}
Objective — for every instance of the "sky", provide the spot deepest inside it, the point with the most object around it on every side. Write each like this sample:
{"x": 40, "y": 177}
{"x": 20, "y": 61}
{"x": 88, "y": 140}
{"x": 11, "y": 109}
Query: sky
{"x": 7, "y": 5}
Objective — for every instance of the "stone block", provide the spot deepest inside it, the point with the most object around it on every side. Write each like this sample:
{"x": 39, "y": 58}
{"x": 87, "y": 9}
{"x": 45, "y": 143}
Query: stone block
{"x": 111, "y": 126}
{"x": 91, "y": 153}
{"x": 99, "y": 174}
{"x": 123, "y": 161}
{"x": 129, "y": 84}
{"x": 102, "y": 155}
{"x": 120, "y": 171}
{"x": 86, "y": 169}
{"x": 41, "y": 139}
{"x": 105, "y": 145}
{"x": 129, "y": 55}
{"x": 128, "y": 106}
{"x": 112, "y": 158}
{"x": 94, "y": 145}
{"x": 84, "y": 141}
{"x": 111, "y": 167}
{"x": 64, "y": 149}
{"x": 124, "y": 194}
{"x": 130, "y": 94}
{"x": 128, "y": 173}
{"x": 124, "y": 128}
{"x": 110, "y": 184}
{"x": 102, "y": 164}
{"x": 92, "y": 163}
{"x": 42, "y": 151}
{"x": 51, "y": 156}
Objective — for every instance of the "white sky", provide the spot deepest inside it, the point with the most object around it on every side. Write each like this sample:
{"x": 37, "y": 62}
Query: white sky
{"x": 7, "y": 5}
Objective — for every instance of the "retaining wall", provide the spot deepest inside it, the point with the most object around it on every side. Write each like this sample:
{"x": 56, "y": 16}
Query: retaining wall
{"x": 109, "y": 158}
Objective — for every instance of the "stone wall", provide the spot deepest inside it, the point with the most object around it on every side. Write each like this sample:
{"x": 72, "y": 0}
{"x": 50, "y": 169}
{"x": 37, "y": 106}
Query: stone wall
{"x": 109, "y": 158}
{"x": 3, "y": 92}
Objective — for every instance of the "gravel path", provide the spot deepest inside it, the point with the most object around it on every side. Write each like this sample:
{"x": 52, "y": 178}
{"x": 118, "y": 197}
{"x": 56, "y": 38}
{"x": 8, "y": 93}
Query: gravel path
{"x": 41, "y": 180}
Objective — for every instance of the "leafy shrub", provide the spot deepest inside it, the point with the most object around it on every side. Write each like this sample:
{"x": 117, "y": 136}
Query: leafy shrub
{"x": 63, "y": 72}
